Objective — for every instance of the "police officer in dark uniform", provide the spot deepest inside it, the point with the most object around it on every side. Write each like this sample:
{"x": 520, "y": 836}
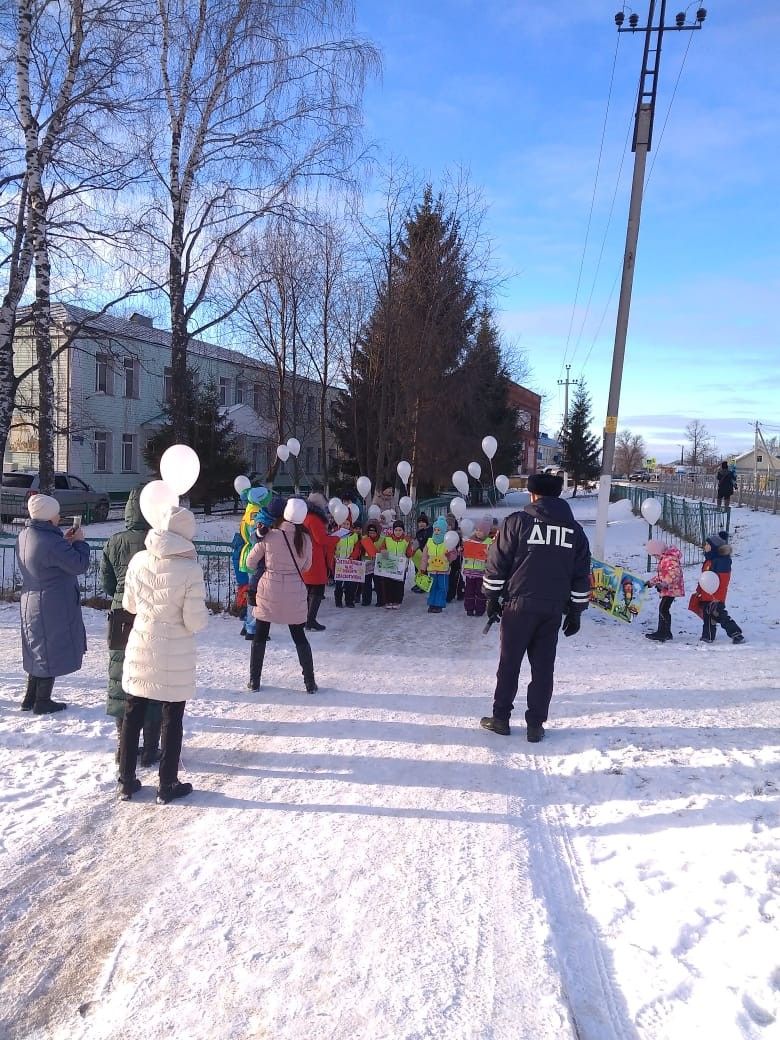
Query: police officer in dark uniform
{"x": 538, "y": 569}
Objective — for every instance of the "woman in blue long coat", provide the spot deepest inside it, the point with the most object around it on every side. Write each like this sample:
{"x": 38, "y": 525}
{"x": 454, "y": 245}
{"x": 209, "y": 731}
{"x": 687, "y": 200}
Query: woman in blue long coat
{"x": 53, "y": 637}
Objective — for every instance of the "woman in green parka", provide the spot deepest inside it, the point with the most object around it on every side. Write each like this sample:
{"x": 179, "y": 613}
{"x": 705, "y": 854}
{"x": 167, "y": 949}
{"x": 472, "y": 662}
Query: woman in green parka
{"x": 117, "y": 554}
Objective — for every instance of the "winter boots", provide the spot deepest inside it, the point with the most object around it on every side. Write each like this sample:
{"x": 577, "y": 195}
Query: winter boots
{"x": 29, "y": 694}
{"x": 43, "y": 704}
{"x": 315, "y": 598}
{"x": 659, "y": 636}
{"x": 171, "y": 792}
{"x": 307, "y": 665}
{"x": 126, "y": 791}
{"x": 534, "y": 734}
{"x": 256, "y": 664}
{"x": 500, "y": 726}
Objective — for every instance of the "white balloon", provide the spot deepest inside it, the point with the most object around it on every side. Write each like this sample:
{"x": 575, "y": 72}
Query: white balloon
{"x": 489, "y": 446}
{"x": 475, "y": 470}
{"x": 295, "y": 511}
{"x": 458, "y": 507}
{"x": 294, "y": 446}
{"x": 406, "y": 505}
{"x": 283, "y": 453}
{"x": 179, "y": 468}
{"x": 333, "y": 503}
{"x": 154, "y": 497}
{"x": 363, "y": 485}
{"x": 404, "y": 471}
{"x": 466, "y": 527}
{"x": 354, "y": 511}
{"x": 460, "y": 481}
{"x": 451, "y": 540}
{"x": 651, "y": 510}
{"x": 374, "y": 512}
{"x": 502, "y": 483}
{"x": 340, "y": 513}
{"x": 241, "y": 484}
{"x": 709, "y": 582}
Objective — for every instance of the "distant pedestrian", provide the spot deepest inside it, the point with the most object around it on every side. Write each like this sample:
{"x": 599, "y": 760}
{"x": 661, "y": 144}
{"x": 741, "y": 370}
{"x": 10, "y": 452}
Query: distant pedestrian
{"x": 54, "y": 640}
{"x": 726, "y": 485}
{"x": 669, "y": 581}
{"x": 538, "y": 569}
{"x": 164, "y": 589}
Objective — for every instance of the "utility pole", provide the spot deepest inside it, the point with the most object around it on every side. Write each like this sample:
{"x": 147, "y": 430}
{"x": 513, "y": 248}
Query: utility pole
{"x": 643, "y": 136}
{"x": 567, "y": 383}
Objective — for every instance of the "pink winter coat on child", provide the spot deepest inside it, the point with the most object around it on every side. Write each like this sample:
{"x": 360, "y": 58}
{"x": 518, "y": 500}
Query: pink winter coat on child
{"x": 668, "y": 577}
{"x": 281, "y": 593}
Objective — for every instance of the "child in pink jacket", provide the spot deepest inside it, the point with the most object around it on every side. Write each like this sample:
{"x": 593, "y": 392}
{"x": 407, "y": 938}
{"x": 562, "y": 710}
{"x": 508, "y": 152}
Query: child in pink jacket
{"x": 668, "y": 579}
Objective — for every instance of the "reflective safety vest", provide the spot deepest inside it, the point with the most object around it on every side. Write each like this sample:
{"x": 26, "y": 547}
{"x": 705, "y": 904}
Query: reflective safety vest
{"x": 437, "y": 558}
{"x": 396, "y": 548}
{"x": 475, "y": 554}
{"x": 346, "y": 546}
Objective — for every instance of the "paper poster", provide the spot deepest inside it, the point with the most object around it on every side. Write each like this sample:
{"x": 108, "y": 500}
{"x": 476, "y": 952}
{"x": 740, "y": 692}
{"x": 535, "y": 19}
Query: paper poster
{"x": 353, "y": 570}
{"x": 391, "y": 566}
{"x": 616, "y": 591}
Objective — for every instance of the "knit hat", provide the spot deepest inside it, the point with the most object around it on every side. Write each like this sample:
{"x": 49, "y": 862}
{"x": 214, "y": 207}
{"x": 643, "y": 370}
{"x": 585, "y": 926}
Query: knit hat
{"x": 43, "y": 507}
{"x": 422, "y": 518}
{"x": 483, "y": 526}
{"x": 295, "y": 511}
{"x": 398, "y": 524}
{"x": 715, "y": 540}
{"x": 178, "y": 520}
{"x": 373, "y": 525}
{"x": 276, "y": 508}
{"x": 264, "y": 517}
{"x": 440, "y": 524}
{"x": 545, "y": 484}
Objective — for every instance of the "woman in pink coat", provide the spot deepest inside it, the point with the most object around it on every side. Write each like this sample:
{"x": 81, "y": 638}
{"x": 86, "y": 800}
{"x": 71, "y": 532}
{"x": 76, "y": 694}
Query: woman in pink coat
{"x": 281, "y": 593}
{"x": 668, "y": 579}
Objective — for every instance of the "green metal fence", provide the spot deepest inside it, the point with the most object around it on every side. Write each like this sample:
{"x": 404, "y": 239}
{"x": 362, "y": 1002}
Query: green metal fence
{"x": 686, "y": 523}
{"x": 214, "y": 557}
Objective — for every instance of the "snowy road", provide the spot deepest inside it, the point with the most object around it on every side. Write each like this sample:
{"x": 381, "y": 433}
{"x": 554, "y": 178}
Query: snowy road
{"x": 367, "y": 863}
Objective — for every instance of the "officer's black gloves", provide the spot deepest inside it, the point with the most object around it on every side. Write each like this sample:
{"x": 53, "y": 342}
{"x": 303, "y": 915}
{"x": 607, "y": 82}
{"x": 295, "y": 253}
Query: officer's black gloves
{"x": 494, "y": 608}
{"x": 571, "y": 622}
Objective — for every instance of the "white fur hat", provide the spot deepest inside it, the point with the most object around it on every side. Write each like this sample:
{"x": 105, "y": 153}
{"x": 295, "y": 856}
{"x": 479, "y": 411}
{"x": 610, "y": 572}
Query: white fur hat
{"x": 43, "y": 507}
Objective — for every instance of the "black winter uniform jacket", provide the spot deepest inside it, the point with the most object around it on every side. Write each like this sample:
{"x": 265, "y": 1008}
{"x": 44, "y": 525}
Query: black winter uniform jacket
{"x": 540, "y": 560}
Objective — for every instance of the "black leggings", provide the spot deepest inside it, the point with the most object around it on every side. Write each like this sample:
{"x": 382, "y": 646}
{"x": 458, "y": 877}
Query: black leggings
{"x": 263, "y": 628}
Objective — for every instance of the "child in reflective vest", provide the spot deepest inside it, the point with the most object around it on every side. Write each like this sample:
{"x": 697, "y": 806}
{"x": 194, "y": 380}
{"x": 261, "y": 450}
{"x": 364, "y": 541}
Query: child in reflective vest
{"x": 474, "y": 558}
{"x": 397, "y": 549}
{"x": 347, "y": 548}
{"x": 372, "y": 543}
{"x": 435, "y": 563}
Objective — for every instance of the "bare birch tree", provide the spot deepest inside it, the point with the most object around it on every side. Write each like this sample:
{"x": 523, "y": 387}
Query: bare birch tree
{"x": 257, "y": 97}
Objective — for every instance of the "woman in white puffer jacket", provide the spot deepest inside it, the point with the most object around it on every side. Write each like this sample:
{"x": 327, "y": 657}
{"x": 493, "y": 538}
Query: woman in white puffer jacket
{"x": 164, "y": 589}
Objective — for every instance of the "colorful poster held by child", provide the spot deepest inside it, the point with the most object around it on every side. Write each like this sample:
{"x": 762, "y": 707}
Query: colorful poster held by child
{"x": 616, "y": 591}
{"x": 390, "y": 565}
{"x": 352, "y": 570}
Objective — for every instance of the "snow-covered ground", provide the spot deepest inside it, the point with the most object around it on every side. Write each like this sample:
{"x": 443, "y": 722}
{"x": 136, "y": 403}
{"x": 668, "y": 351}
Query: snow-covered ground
{"x": 368, "y": 863}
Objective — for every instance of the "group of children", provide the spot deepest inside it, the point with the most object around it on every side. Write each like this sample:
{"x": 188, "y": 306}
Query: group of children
{"x": 709, "y": 606}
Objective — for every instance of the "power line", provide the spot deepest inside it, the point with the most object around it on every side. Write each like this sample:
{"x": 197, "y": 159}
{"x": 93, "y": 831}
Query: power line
{"x": 592, "y": 203}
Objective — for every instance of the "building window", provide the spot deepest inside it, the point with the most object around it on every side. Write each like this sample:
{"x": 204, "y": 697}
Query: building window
{"x": 102, "y": 451}
{"x": 132, "y": 381}
{"x": 224, "y": 391}
{"x": 239, "y": 391}
{"x": 257, "y": 457}
{"x": 333, "y": 411}
{"x": 309, "y": 459}
{"x": 129, "y": 452}
{"x": 257, "y": 397}
{"x": 319, "y": 460}
{"x": 167, "y": 385}
{"x": 310, "y": 408}
{"x": 102, "y": 374}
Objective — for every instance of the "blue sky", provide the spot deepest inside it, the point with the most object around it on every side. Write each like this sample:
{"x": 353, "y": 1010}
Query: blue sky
{"x": 516, "y": 91}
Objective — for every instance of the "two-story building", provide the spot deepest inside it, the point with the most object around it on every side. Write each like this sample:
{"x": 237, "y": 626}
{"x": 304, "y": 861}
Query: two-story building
{"x": 112, "y": 377}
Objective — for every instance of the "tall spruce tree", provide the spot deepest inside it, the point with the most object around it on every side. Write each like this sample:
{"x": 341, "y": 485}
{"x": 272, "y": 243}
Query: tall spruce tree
{"x": 211, "y": 434}
{"x": 581, "y": 449}
{"x": 406, "y": 388}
